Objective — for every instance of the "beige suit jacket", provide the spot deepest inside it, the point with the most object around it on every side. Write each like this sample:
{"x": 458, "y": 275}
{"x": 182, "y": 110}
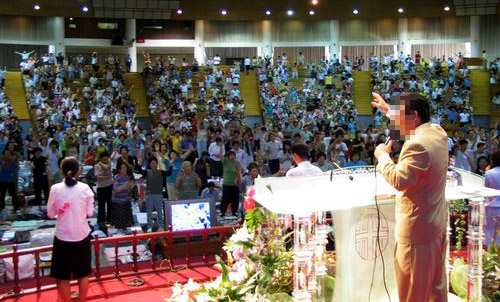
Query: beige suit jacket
{"x": 420, "y": 177}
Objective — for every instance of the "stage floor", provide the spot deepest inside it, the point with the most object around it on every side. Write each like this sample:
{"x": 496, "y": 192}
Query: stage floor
{"x": 157, "y": 287}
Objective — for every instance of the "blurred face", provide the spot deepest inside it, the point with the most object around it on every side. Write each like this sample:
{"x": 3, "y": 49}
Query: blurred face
{"x": 355, "y": 157}
{"x": 321, "y": 160}
{"x": 254, "y": 173}
{"x": 173, "y": 155}
{"x": 232, "y": 157}
{"x": 105, "y": 159}
{"x": 404, "y": 121}
{"x": 124, "y": 152}
{"x": 483, "y": 163}
{"x": 123, "y": 169}
{"x": 153, "y": 165}
{"x": 187, "y": 167}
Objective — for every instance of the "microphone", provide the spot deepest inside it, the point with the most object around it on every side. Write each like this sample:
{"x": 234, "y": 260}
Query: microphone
{"x": 387, "y": 140}
{"x": 339, "y": 167}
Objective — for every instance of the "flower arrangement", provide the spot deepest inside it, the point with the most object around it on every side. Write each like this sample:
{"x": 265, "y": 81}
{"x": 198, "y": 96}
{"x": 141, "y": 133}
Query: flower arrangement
{"x": 259, "y": 267}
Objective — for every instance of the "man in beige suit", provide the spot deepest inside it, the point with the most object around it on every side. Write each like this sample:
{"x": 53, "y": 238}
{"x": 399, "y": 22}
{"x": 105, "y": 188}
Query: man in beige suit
{"x": 421, "y": 207}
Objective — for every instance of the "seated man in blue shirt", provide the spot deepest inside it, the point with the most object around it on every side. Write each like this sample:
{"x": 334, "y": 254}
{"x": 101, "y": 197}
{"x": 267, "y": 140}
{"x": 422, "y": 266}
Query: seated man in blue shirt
{"x": 211, "y": 192}
{"x": 355, "y": 160}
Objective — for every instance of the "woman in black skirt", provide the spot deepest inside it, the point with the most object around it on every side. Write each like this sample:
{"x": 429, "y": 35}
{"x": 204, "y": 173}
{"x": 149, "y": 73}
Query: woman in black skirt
{"x": 71, "y": 202}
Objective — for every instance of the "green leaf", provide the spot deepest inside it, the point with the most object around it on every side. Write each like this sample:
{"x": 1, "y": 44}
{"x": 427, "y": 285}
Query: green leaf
{"x": 224, "y": 271}
{"x": 458, "y": 278}
{"x": 255, "y": 218}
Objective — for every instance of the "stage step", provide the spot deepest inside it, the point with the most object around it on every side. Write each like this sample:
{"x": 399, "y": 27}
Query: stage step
{"x": 480, "y": 91}
{"x": 250, "y": 93}
{"x": 361, "y": 91}
{"x": 138, "y": 93}
{"x": 14, "y": 89}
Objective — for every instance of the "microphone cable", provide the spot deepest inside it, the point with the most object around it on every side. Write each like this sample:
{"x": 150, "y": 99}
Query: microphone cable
{"x": 378, "y": 245}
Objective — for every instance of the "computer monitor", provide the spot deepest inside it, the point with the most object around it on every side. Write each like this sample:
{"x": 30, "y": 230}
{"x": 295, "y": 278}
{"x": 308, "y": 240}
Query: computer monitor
{"x": 190, "y": 214}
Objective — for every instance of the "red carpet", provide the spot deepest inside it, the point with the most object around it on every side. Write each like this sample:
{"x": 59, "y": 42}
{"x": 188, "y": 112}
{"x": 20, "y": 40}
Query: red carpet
{"x": 157, "y": 287}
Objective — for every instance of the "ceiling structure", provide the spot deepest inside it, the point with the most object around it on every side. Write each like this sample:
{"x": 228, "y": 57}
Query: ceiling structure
{"x": 249, "y": 10}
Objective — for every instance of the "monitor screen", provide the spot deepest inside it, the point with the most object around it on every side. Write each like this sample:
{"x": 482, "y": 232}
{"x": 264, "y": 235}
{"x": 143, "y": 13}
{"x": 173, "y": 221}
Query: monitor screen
{"x": 190, "y": 214}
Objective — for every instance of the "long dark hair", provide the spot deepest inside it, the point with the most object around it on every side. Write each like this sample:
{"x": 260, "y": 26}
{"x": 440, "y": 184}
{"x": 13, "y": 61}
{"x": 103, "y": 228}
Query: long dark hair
{"x": 70, "y": 167}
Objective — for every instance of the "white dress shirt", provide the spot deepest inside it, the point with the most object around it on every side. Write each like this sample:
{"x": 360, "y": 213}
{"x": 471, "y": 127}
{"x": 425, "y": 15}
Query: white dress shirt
{"x": 214, "y": 151}
{"x": 304, "y": 168}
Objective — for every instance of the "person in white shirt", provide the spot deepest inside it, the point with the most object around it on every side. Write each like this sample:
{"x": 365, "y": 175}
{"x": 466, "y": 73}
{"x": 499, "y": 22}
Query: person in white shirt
{"x": 248, "y": 64}
{"x": 217, "y": 60}
{"x": 338, "y": 150}
{"x": 241, "y": 156}
{"x": 24, "y": 55}
{"x": 99, "y": 133}
{"x": 71, "y": 202}
{"x": 216, "y": 152}
{"x": 300, "y": 155}
{"x": 464, "y": 118}
{"x": 464, "y": 158}
{"x": 236, "y": 79}
{"x": 272, "y": 150}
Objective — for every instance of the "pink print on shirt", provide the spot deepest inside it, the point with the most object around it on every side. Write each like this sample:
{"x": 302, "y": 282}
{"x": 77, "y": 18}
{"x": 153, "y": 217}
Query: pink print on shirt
{"x": 65, "y": 207}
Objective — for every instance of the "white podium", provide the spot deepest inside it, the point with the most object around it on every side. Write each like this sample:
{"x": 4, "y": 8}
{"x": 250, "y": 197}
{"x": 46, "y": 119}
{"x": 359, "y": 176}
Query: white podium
{"x": 353, "y": 205}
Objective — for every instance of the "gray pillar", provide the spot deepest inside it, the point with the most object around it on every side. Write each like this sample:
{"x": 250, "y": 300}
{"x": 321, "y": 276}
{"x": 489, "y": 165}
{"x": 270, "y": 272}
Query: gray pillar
{"x": 59, "y": 35}
{"x": 475, "y": 35}
{"x": 334, "y": 38}
{"x": 267, "y": 39}
{"x": 130, "y": 30}
{"x": 199, "y": 39}
{"x": 403, "y": 45}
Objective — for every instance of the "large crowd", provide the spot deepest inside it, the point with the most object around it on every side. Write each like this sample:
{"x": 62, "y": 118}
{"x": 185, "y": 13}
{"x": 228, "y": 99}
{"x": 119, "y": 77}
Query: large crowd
{"x": 82, "y": 108}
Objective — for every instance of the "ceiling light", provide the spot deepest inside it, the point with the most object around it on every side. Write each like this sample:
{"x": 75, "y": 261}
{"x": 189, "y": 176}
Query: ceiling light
{"x": 179, "y": 11}
{"x": 311, "y": 12}
{"x": 223, "y": 12}
{"x": 355, "y": 11}
{"x": 447, "y": 8}
{"x": 71, "y": 19}
{"x": 401, "y": 10}
{"x": 268, "y": 12}
{"x": 289, "y": 12}
{"x": 85, "y": 9}
{"x": 314, "y": 2}
{"x": 36, "y": 7}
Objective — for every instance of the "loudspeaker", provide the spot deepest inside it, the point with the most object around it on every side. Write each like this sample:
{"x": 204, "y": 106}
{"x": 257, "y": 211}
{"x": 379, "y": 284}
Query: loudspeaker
{"x": 117, "y": 40}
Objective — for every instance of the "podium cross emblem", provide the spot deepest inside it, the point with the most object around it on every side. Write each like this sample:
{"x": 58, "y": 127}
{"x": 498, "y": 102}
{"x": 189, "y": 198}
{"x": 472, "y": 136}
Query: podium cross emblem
{"x": 366, "y": 234}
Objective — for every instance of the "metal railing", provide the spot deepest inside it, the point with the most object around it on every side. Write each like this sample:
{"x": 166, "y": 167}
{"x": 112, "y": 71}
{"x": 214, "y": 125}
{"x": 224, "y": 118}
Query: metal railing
{"x": 206, "y": 244}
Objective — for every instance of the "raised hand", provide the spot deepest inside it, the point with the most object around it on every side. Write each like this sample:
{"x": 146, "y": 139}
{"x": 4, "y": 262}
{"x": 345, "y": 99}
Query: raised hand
{"x": 379, "y": 103}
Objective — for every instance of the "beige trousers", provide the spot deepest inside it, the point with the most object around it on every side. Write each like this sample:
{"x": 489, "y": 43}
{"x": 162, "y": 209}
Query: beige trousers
{"x": 171, "y": 191}
{"x": 421, "y": 271}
